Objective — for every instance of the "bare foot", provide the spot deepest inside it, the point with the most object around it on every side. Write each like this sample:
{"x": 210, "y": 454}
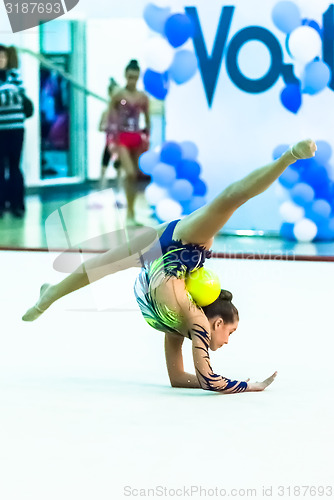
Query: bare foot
{"x": 41, "y": 305}
{"x": 303, "y": 149}
{"x": 132, "y": 222}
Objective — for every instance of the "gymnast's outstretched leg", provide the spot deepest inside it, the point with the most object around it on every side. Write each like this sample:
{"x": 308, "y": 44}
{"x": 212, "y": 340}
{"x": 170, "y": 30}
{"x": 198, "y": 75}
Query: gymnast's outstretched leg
{"x": 201, "y": 226}
{"x": 117, "y": 259}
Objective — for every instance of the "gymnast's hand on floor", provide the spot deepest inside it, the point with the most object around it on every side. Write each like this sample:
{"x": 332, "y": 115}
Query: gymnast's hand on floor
{"x": 304, "y": 149}
{"x": 260, "y": 386}
{"x": 41, "y": 305}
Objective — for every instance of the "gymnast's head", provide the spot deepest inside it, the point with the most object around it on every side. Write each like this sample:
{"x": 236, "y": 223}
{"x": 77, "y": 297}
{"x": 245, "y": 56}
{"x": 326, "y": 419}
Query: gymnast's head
{"x": 132, "y": 72}
{"x": 223, "y": 317}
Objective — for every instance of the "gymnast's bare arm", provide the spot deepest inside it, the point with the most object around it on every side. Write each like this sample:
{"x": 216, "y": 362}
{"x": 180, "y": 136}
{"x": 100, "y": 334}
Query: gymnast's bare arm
{"x": 174, "y": 360}
{"x": 208, "y": 380}
{"x": 197, "y": 328}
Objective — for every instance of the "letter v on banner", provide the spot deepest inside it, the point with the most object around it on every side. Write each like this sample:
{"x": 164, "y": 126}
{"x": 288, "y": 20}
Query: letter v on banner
{"x": 328, "y": 41}
{"x": 209, "y": 66}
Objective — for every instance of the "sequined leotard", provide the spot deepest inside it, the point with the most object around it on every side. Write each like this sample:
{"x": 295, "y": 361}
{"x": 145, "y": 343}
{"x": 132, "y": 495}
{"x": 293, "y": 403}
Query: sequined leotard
{"x": 168, "y": 258}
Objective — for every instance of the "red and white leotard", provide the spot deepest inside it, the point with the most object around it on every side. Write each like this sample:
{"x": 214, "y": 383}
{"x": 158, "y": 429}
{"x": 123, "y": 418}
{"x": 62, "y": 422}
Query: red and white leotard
{"x": 126, "y": 122}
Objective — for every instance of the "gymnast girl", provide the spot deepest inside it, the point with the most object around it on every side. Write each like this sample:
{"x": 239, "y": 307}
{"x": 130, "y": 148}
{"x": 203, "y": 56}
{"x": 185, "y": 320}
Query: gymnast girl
{"x": 127, "y": 105}
{"x": 179, "y": 249}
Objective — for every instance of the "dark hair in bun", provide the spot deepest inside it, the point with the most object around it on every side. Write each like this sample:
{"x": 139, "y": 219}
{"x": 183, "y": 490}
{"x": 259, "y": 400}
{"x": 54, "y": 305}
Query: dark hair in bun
{"x": 133, "y": 64}
{"x": 222, "y": 307}
{"x": 225, "y": 295}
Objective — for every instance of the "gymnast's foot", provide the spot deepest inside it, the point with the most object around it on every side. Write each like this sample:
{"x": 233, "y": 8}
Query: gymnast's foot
{"x": 133, "y": 223}
{"x": 131, "y": 220}
{"x": 41, "y": 305}
{"x": 303, "y": 149}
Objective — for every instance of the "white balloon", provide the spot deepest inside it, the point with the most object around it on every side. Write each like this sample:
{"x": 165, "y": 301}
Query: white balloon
{"x": 281, "y": 193}
{"x": 168, "y": 209}
{"x": 161, "y": 3}
{"x": 158, "y": 54}
{"x": 291, "y": 212}
{"x": 313, "y": 9}
{"x": 305, "y": 44}
{"x": 155, "y": 193}
{"x": 299, "y": 69}
{"x": 305, "y": 230}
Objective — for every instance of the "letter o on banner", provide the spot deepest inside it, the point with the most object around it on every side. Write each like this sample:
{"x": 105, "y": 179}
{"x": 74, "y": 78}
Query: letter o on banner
{"x": 261, "y": 84}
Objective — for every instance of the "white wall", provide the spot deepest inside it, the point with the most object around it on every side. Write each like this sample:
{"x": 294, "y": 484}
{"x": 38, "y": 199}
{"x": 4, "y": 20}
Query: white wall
{"x": 241, "y": 130}
{"x": 111, "y": 44}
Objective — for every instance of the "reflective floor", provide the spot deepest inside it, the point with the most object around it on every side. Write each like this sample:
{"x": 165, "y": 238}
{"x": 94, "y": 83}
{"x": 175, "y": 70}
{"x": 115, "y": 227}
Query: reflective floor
{"x": 86, "y": 410}
{"x": 87, "y": 209}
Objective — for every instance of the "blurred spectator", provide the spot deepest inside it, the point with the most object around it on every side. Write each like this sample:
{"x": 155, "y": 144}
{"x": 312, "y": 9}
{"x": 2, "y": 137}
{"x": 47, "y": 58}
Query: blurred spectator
{"x": 14, "y": 108}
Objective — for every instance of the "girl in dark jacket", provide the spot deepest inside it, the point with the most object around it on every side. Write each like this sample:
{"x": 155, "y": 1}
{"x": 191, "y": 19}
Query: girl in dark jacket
{"x": 12, "y": 118}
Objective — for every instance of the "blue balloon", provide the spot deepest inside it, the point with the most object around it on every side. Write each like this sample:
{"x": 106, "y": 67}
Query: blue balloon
{"x": 286, "y": 16}
{"x": 286, "y": 231}
{"x": 181, "y": 190}
{"x": 156, "y": 84}
{"x": 324, "y": 152}
{"x": 319, "y": 212}
{"x": 302, "y": 165}
{"x": 289, "y": 178}
{"x": 178, "y": 29}
{"x": 325, "y": 192}
{"x": 147, "y": 161}
{"x": 315, "y": 175}
{"x": 279, "y": 150}
{"x": 313, "y": 24}
{"x": 171, "y": 153}
{"x": 156, "y": 17}
{"x": 189, "y": 150}
{"x": 194, "y": 204}
{"x": 188, "y": 169}
{"x": 291, "y": 97}
{"x": 164, "y": 175}
{"x": 197, "y": 202}
{"x": 326, "y": 231}
{"x": 184, "y": 66}
{"x": 302, "y": 194}
{"x": 316, "y": 78}
{"x": 200, "y": 188}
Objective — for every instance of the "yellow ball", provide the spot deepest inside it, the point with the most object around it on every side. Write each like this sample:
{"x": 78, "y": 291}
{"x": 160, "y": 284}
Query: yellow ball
{"x": 204, "y": 286}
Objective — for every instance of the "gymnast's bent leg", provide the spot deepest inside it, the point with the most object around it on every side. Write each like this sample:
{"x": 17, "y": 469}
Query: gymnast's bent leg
{"x": 201, "y": 226}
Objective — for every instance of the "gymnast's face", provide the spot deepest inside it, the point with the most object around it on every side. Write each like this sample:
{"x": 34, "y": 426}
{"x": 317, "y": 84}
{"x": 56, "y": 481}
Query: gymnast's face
{"x": 220, "y": 332}
{"x": 3, "y": 59}
{"x": 132, "y": 76}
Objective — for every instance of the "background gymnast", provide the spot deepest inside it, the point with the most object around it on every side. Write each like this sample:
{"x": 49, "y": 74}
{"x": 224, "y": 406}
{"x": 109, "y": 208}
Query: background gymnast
{"x": 179, "y": 248}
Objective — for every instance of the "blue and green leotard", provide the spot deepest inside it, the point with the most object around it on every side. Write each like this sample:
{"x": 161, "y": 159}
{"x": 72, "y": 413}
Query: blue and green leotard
{"x": 167, "y": 258}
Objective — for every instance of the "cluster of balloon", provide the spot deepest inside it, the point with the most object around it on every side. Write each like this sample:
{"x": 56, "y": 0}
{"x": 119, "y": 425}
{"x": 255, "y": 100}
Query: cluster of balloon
{"x": 176, "y": 188}
{"x": 164, "y": 63}
{"x": 304, "y": 44}
{"x": 307, "y": 188}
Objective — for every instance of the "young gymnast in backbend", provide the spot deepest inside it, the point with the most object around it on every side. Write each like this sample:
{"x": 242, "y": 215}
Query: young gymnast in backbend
{"x": 181, "y": 247}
